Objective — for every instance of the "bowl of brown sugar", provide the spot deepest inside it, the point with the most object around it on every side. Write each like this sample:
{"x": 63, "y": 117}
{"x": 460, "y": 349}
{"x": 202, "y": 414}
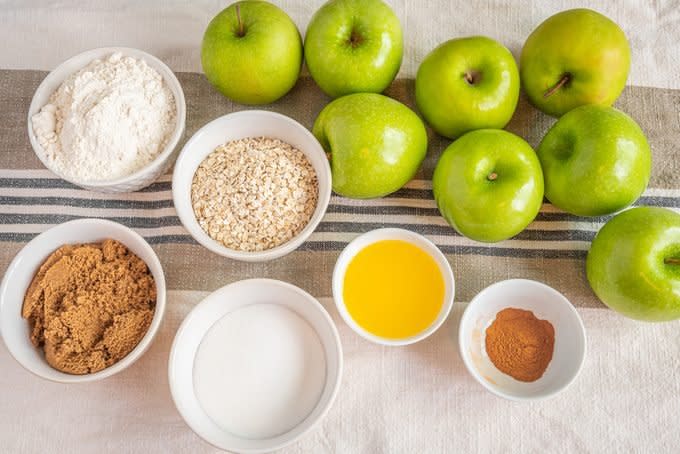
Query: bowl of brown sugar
{"x": 82, "y": 301}
{"x": 252, "y": 185}
{"x": 522, "y": 340}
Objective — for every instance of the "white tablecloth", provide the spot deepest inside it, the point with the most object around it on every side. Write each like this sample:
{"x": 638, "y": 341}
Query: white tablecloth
{"x": 418, "y": 399}
{"x": 40, "y": 34}
{"x": 393, "y": 400}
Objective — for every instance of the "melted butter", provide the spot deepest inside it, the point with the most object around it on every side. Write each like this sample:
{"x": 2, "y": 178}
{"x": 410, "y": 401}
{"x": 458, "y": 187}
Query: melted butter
{"x": 393, "y": 289}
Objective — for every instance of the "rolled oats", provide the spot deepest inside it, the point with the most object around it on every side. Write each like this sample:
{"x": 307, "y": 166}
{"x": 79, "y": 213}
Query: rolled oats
{"x": 254, "y": 194}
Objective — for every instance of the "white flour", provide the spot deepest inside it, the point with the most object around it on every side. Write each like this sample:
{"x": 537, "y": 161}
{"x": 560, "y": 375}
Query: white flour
{"x": 107, "y": 120}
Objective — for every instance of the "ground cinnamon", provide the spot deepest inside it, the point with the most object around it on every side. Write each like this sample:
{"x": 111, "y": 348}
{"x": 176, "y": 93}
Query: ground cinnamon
{"x": 519, "y": 344}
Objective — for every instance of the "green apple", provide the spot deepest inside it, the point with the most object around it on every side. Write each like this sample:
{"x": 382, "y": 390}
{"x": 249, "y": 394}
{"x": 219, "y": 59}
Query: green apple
{"x": 596, "y": 161}
{"x": 353, "y": 46}
{"x": 633, "y": 265}
{"x": 375, "y": 144}
{"x": 466, "y": 84}
{"x": 488, "y": 185}
{"x": 252, "y": 52}
{"x": 573, "y": 58}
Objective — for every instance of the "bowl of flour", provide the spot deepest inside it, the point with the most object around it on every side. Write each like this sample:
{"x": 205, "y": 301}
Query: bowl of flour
{"x": 108, "y": 119}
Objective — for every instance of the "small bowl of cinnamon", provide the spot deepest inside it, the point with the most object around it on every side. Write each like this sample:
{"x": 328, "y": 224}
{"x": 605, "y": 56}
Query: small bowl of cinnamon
{"x": 522, "y": 340}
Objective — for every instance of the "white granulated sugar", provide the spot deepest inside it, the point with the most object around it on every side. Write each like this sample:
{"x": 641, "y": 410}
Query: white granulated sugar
{"x": 259, "y": 371}
{"x": 107, "y": 120}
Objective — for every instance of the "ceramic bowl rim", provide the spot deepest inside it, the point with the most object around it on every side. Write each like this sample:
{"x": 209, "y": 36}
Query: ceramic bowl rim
{"x": 144, "y": 343}
{"x": 374, "y": 236}
{"x": 335, "y": 383}
{"x": 188, "y": 217}
{"x": 99, "y": 52}
{"x": 465, "y": 318}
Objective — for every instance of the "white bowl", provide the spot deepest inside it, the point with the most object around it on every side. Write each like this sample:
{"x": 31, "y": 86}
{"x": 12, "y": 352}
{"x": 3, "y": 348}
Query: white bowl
{"x": 374, "y": 236}
{"x": 547, "y": 304}
{"x": 144, "y": 176}
{"x": 20, "y": 273}
{"x": 213, "y": 308}
{"x": 240, "y": 125}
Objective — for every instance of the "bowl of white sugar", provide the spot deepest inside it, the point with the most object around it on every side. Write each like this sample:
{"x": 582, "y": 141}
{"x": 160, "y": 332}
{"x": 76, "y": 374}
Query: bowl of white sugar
{"x": 108, "y": 119}
{"x": 255, "y": 366}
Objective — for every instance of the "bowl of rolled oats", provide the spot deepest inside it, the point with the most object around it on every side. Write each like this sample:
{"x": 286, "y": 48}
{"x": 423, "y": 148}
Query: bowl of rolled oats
{"x": 252, "y": 185}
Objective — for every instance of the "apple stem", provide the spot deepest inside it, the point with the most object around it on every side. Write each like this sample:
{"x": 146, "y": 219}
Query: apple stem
{"x": 566, "y": 77}
{"x": 354, "y": 39}
{"x": 492, "y": 176}
{"x": 672, "y": 260}
{"x": 472, "y": 77}
{"x": 241, "y": 32}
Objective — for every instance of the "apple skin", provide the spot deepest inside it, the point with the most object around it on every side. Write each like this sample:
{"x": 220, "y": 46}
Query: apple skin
{"x": 375, "y": 144}
{"x": 627, "y": 264}
{"x": 596, "y": 161}
{"x": 467, "y": 84}
{"x": 353, "y": 46}
{"x": 488, "y": 185}
{"x": 259, "y": 67}
{"x": 583, "y": 44}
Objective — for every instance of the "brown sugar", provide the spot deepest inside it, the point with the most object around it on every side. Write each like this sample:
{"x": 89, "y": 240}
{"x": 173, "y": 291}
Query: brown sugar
{"x": 89, "y": 305}
{"x": 519, "y": 344}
